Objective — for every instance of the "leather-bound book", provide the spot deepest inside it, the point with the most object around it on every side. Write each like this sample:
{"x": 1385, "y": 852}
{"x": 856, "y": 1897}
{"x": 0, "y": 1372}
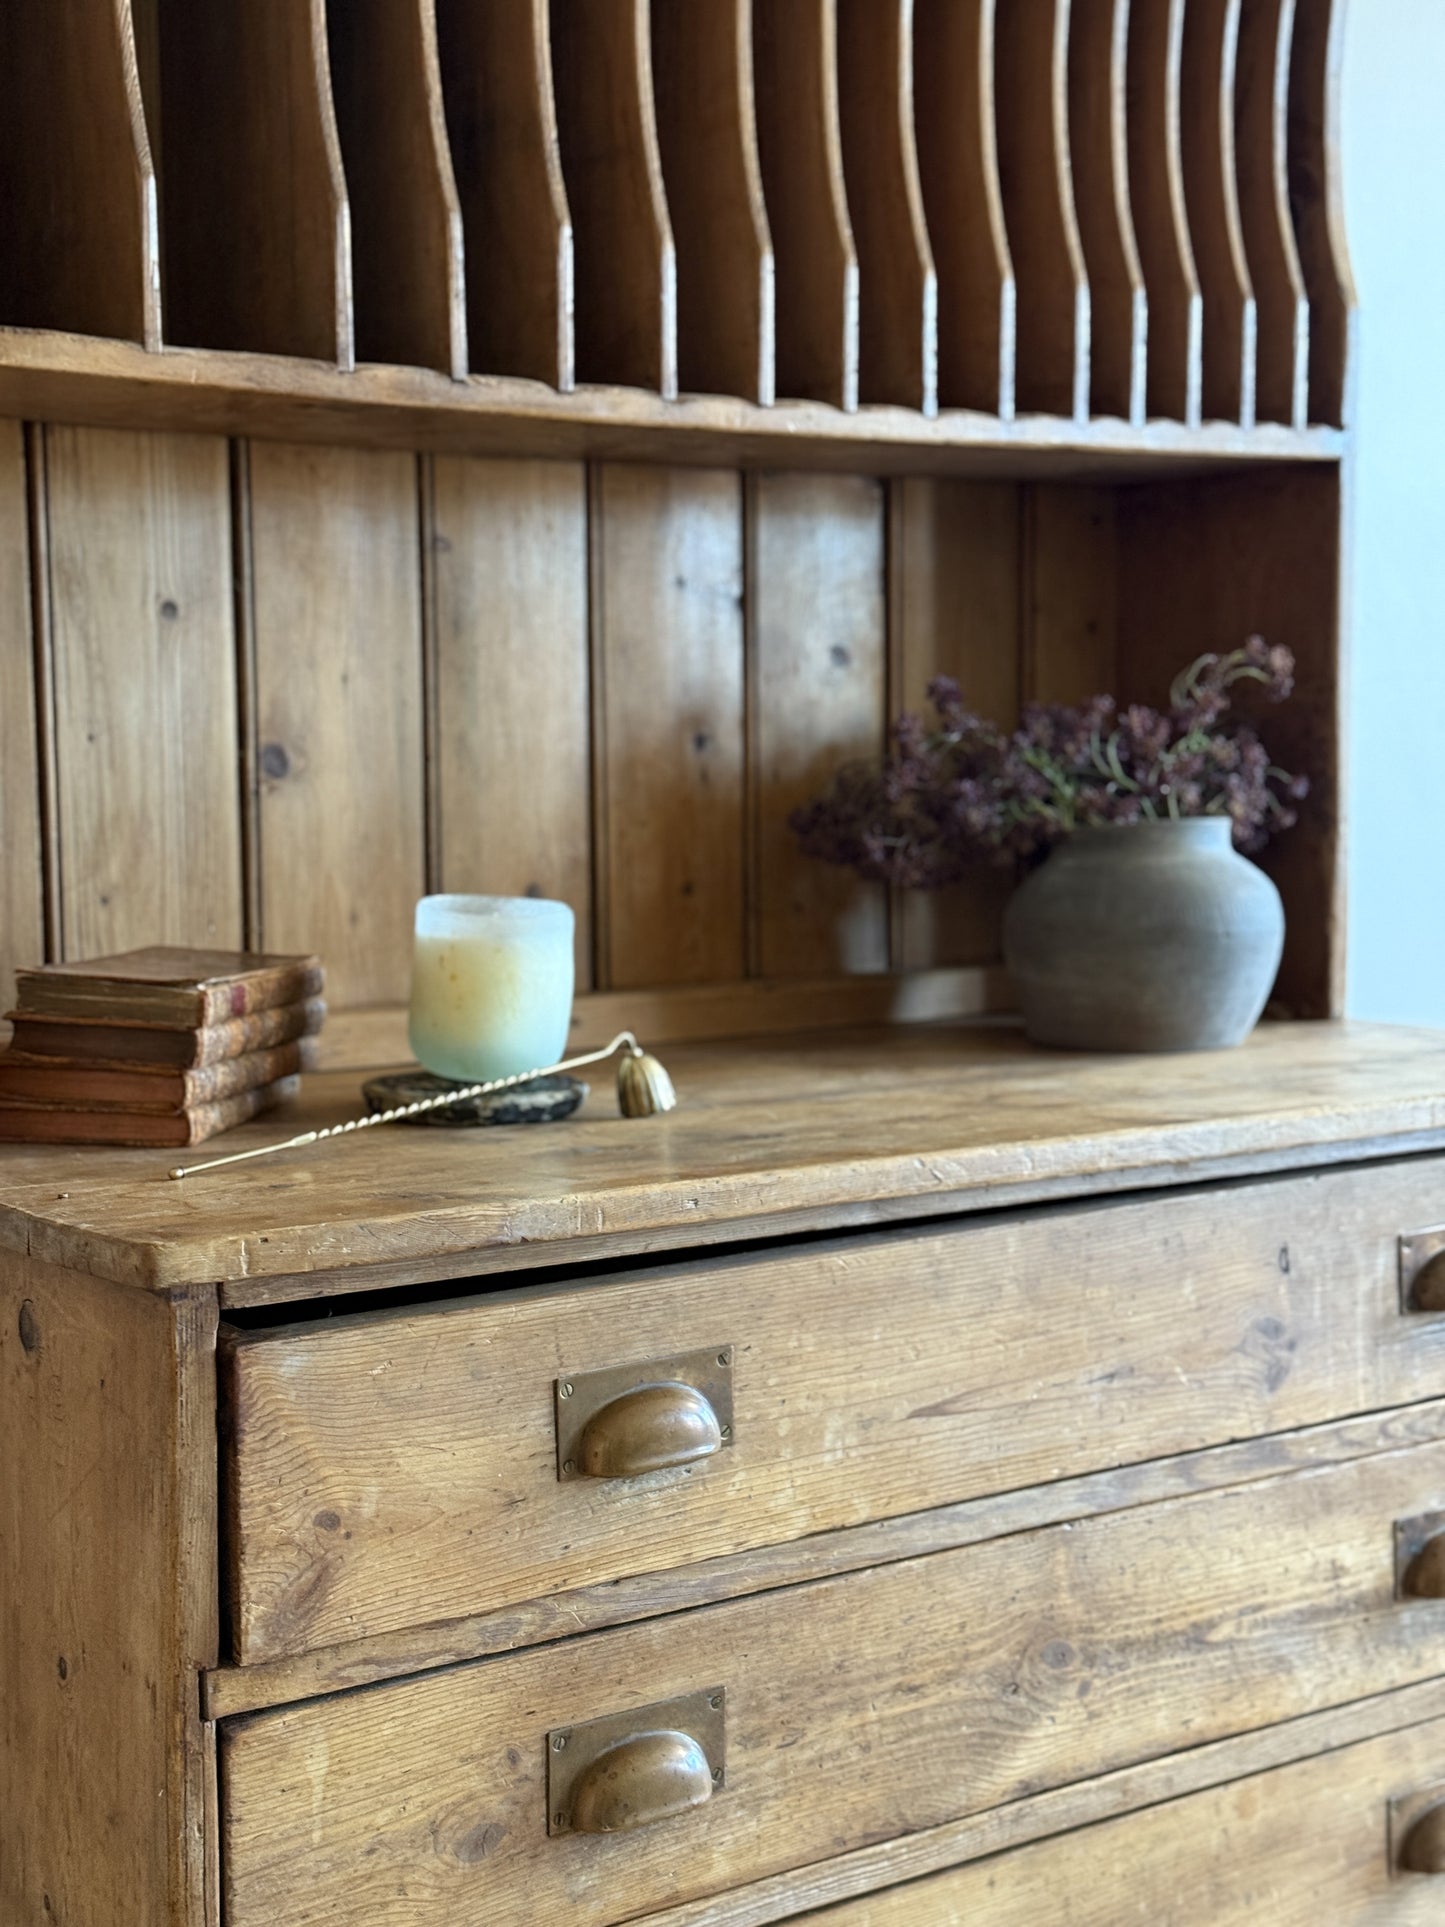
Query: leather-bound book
{"x": 92, "y": 1039}
{"x": 166, "y": 984}
{"x": 57, "y": 1124}
{"x": 91, "y": 1085}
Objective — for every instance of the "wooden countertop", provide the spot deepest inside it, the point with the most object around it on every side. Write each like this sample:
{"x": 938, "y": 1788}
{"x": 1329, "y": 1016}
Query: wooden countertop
{"x": 772, "y": 1136}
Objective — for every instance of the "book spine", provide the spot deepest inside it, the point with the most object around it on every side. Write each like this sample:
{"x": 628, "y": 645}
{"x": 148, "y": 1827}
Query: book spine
{"x": 211, "y": 1082}
{"x": 264, "y": 1031}
{"x": 209, "y": 1120}
{"x": 249, "y": 996}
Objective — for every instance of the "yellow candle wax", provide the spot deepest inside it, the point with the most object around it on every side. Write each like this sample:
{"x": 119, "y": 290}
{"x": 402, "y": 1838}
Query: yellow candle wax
{"x": 491, "y": 987}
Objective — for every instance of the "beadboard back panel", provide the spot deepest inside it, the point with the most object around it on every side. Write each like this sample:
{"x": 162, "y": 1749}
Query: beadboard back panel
{"x": 273, "y": 693}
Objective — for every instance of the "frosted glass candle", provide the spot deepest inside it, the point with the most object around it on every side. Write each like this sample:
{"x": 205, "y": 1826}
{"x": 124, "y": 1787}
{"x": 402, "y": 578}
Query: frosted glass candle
{"x": 491, "y": 985}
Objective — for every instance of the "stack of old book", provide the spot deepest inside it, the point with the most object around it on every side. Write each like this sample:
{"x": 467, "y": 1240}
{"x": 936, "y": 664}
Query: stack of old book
{"x": 164, "y": 1046}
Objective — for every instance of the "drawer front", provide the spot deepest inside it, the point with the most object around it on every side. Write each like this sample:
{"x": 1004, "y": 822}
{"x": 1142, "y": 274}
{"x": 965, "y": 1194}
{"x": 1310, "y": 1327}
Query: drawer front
{"x": 401, "y": 1469}
{"x": 1304, "y": 1846}
{"x": 856, "y": 1710}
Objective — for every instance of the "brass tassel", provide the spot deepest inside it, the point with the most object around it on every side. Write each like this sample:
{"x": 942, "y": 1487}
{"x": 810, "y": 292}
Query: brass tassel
{"x": 643, "y": 1086}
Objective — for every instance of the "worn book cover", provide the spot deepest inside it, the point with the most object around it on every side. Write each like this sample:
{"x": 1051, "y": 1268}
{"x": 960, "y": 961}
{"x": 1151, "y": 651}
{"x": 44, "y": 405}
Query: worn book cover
{"x": 51, "y": 1124}
{"x": 102, "y": 1086}
{"x": 89, "y": 1039}
{"x": 168, "y": 984}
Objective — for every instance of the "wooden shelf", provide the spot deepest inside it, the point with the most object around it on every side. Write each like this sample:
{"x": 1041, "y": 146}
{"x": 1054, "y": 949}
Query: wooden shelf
{"x": 69, "y": 378}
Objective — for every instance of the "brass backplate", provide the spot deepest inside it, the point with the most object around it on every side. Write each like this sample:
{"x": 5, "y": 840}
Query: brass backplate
{"x": 1405, "y": 1810}
{"x": 572, "y": 1749}
{"x": 578, "y": 1395}
{"x": 1417, "y": 1249}
{"x": 1411, "y": 1538}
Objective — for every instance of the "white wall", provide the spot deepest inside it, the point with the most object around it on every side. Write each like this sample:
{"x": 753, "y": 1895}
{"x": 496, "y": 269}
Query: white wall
{"x": 1394, "y": 158}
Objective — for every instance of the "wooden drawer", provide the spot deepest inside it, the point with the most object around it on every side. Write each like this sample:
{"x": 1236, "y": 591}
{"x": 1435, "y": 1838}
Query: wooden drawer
{"x": 857, "y": 1709}
{"x": 1307, "y": 1845}
{"x": 400, "y": 1469}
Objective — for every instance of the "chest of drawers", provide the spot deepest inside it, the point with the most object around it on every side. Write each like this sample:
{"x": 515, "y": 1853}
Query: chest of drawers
{"x": 920, "y": 1480}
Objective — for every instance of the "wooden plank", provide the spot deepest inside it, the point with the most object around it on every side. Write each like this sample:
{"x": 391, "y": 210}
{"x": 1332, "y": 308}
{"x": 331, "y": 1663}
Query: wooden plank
{"x": 1070, "y": 593}
{"x": 1207, "y": 79}
{"x": 496, "y": 63}
{"x": 816, "y": 683}
{"x": 626, "y": 265}
{"x": 108, "y": 1596}
{"x": 1266, "y": 34}
{"x": 827, "y": 1746}
{"x": 253, "y": 197}
{"x": 441, "y": 1507}
{"x": 406, "y": 221}
{"x": 514, "y": 791}
{"x": 668, "y": 735}
{"x": 801, "y": 155}
{"x": 776, "y": 1134}
{"x": 143, "y": 642}
{"x": 58, "y": 378}
{"x": 1099, "y": 147}
{"x": 22, "y": 907}
{"x": 1161, "y": 220}
{"x": 1316, "y": 193}
{"x": 957, "y": 141}
{"x": 1035, "y": 175}
{"x": 1311, "y": 1836}
{"x": 231, "y": 1690}
{"x": 1205, "y": 566}
{"x": 79, "y": 243}
{"x": 702, "y": 56}
{"x": 955, "y": 563}
{"x": 335, "y": 548}
{"x": 898, "y": 287}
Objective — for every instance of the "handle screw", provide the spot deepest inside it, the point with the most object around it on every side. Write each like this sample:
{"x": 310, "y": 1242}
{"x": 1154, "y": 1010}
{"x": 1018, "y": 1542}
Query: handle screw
{"x": 724, "y": 1358}
{"x": 566, "y": 1388}
{"x": 559, "y": 1741}
{"x": 727, "y": 1432}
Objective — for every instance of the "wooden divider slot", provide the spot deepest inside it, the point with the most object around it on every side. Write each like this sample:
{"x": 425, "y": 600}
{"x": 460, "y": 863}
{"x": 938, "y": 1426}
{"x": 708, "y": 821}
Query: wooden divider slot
{"x": 1031, "y": 64}
{"x": 626, "y": 318}
{"x": 1211, "y": 39}
{"x": 1316, "y": 201}
{"x": 702, "y": 63}
{"x": 79, "y": 242}
{"x": 496, "y": 66}
{"x": 255, "y": 227}
{"x": 898, "y": 289}
{"x": 1261, "y": 100}
{"x": 1099, "y": 145}
{"x": 957, "y": 141}
{"x": 800, "y": 151}
{"x": 406, "y": 223}
{"x": 1174, "y": 374}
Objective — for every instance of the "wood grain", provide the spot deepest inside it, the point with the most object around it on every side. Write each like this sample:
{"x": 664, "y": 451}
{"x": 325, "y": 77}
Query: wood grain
{"x": 816, "y": 679}
{"x": 1207, "y": 77}
{"x": 79, "y": 244}
{"x": 334, "y": 538}
{"x": 406, "y": 221}
{"x": 1032, "y": 41}
{"x": 1266, "y": 34}
{"x": 510, "y": 542}
{"x": 801, "y": 157}
{"x": 775, "y": 1135}
{"x": 957, "y": 142}
{"x": 230, "y": 1690}
{"x": 955, "y": 568}
{"x": 370, "y": 1492}
{"x": 702, "y": 57}
{"x": 496, "y": 63}
{"x": 1204, "y": 567}
{"x": 256, "y": 226}
{"x": 107, "y": 1598}
{"x": 1310, "y": 1836}
{"x": 898, "y": 287}
{"x": 143, "y": 641}
{"x": 1261, "y": 1605}
{"x": 1099, "y": 151}
{"x": 1071, "y": 593}
{"x": 1316, "y": 194}
{"x": 626, "y": 265}
{"x": 1161, "y": 219}
{"x": 669, "y": 727}
{"x": 22, "y": 908}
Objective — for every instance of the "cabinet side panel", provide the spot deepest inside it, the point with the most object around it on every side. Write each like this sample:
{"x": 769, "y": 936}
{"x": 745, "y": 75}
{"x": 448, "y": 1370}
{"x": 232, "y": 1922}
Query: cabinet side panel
{"x": 107, "y": 1599}
{"x": 21, "y": 921}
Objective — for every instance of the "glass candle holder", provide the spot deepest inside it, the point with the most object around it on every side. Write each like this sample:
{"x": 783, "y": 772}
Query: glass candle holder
{"x": 491, "y": 985}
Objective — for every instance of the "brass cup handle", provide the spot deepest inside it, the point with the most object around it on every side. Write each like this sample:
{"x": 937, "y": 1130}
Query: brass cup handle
{"x": 650, "y": 1777}
{"x": 1423, "y": 1848}
{"x": 1424, "y": 1576}
{"x": 650, "y": 1427}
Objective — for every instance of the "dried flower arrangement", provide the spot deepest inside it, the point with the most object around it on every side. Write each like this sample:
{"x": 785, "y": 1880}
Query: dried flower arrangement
{"x": 947, "y": 798}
